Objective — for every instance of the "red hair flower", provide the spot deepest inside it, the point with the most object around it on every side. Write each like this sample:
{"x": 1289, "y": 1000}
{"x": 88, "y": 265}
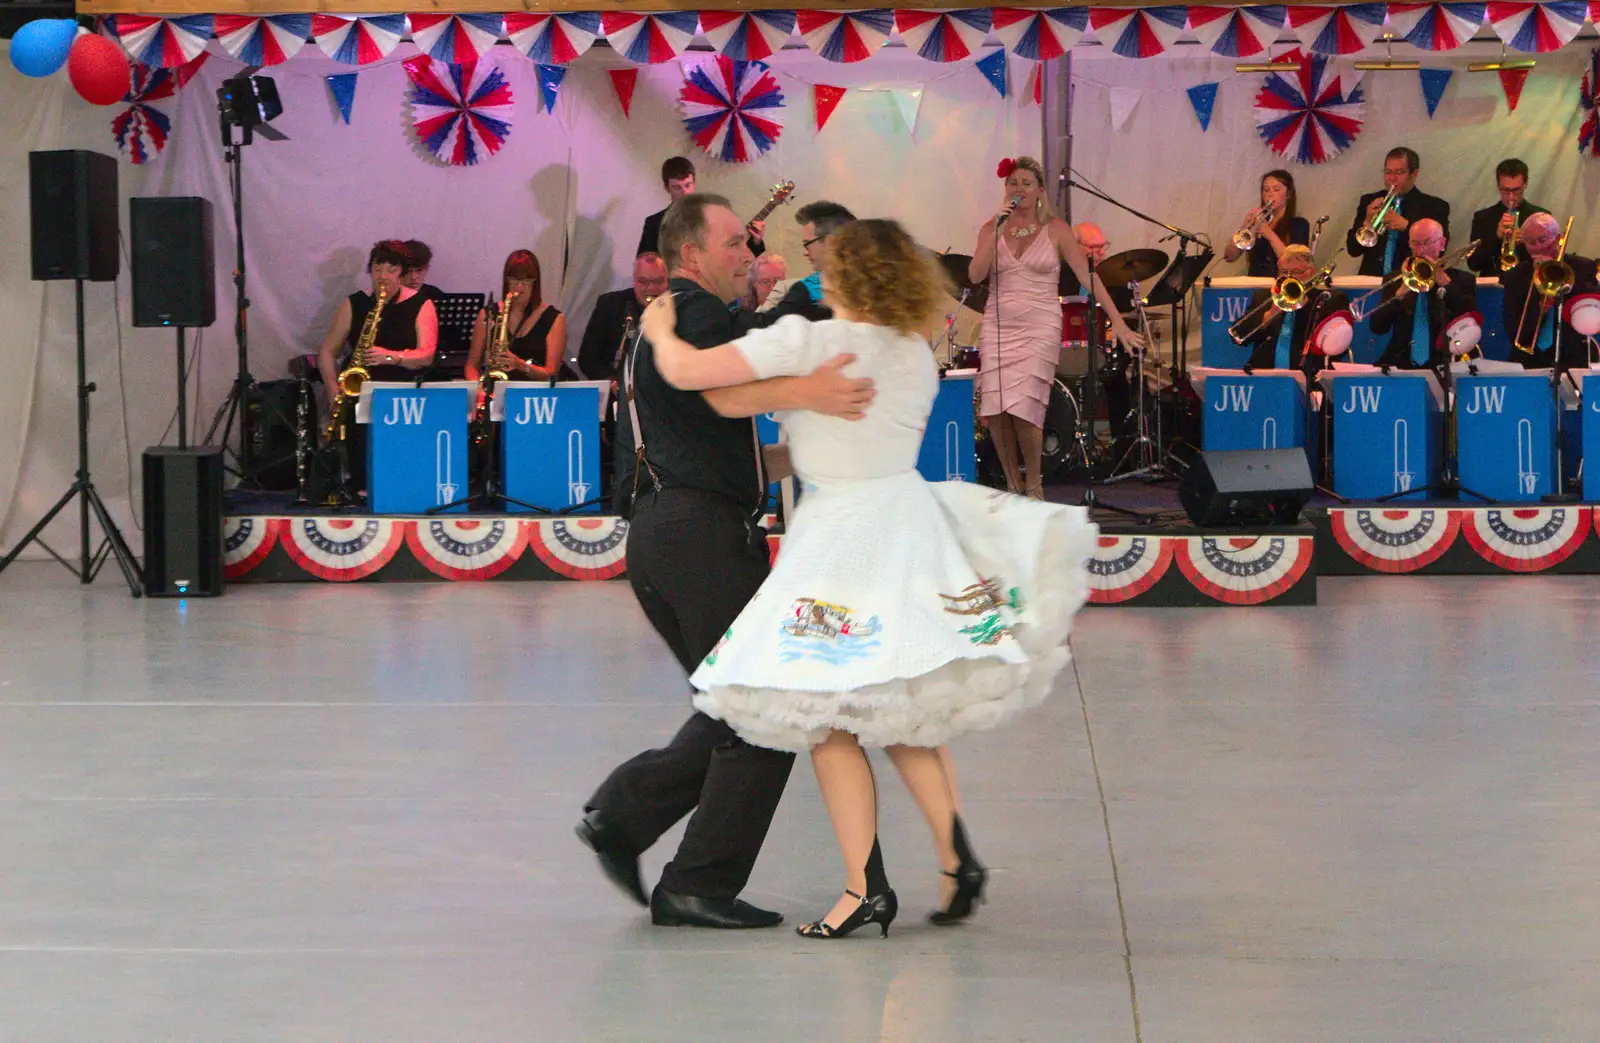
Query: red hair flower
{"x": 1005, "y": 168}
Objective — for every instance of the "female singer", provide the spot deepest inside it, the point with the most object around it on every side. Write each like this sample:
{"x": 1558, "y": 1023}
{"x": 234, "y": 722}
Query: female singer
{"x": 1020, "y": 341}
{"x": 1287, "y": 228}
{"x": 538, "y": 330}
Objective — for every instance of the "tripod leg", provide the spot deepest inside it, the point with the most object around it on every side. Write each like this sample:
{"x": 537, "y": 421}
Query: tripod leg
{"x": 119, "y": 546}
{"x": 33, "y": 533}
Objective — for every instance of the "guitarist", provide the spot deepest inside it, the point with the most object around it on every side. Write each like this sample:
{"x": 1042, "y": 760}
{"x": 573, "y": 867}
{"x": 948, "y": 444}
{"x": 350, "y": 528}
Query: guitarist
{"x": 677, "y": 177}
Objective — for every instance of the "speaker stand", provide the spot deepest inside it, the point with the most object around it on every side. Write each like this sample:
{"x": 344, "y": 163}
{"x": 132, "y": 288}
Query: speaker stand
{"x": 183, "y": 395}
{"x": 233, "y": 407}
{"x": 88, "y": 497}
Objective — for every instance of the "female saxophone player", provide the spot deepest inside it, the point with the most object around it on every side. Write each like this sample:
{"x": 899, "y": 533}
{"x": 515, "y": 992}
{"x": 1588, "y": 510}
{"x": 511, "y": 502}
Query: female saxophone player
{"x": 538, "y": 330}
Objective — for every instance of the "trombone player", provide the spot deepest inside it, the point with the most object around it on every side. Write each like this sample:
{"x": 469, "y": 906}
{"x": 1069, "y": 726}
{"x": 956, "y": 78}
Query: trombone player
{"x": 1295, "y": 323}
{"x": 1422, "y": 301}
{"x": 1497, "y": 227}
{"x": 1551, "y": 304}
{"x": 1378, "y": 233}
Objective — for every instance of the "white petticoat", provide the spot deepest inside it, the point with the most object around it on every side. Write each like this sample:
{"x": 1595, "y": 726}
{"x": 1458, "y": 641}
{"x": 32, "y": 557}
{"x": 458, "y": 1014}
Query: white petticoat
{"x": 904, "y": 612}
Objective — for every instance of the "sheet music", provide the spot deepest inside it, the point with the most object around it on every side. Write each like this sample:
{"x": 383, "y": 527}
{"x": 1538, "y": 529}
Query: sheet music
{"x": 1494, "y": 368}
{"x": 1357, "y": 369}
{"x": 364, "y": 403}
{"x": 1198, "y": 375}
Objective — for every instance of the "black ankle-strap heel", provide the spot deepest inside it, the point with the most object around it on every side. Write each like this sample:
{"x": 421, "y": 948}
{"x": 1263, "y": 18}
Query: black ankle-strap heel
{"x": 879, "y": 909}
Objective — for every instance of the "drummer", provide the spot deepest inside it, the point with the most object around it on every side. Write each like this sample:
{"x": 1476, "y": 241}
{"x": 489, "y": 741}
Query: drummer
{"x": 1094, "y": 244}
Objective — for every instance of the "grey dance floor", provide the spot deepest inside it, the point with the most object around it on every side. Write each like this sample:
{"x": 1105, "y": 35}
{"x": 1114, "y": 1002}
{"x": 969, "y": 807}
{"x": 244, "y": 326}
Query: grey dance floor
{"x": 330, "y": 813}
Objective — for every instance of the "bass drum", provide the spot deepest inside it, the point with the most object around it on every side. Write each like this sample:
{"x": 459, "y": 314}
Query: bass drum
{"x": 1059, "y": 456}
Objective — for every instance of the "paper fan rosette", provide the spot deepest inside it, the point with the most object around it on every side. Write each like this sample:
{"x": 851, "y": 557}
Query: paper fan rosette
{"x": 1312, "y": 114}
{"x": 141, "y": 121}
{"x": 461, "y": 113}
{"x": 733, "y": 110}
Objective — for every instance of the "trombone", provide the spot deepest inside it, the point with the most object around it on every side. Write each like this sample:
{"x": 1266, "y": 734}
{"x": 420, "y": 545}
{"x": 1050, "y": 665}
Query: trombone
{"x": 1368, "y": 235}
{"x": 1287, "y": 295}
{"x": 1551, "y": 279}
{"x": 1245, "y": 238}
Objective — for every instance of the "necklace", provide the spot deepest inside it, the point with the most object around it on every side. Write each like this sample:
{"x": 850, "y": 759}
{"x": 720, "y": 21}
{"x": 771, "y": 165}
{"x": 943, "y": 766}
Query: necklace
{"x": 1023, "y": 233}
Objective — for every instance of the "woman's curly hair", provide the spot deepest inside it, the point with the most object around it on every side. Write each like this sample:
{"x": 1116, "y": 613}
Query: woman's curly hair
{"x": 876, "y": 270}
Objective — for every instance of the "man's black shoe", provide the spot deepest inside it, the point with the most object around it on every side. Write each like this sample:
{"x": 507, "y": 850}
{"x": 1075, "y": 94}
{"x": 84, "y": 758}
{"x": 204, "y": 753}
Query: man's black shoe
{"x": 674, "y": 910}
{"x": 617, "y": 859}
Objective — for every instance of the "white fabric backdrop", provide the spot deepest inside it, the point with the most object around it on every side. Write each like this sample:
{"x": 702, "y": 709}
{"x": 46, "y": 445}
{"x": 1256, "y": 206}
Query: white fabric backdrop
{"x": 315, "y": 204}
{"x": 1162, "y": 163}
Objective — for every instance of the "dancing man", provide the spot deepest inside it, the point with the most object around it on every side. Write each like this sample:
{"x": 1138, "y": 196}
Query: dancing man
{"x": 695, "y": 557}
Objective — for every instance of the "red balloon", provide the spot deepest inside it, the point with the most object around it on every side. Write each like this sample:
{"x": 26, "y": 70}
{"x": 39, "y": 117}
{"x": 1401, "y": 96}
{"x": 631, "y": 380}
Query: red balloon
{"x": 98, "y": 70}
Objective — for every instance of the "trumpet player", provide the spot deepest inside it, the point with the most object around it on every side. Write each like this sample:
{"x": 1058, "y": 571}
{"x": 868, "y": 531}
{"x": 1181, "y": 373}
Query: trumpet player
{"x": 538, "y": 330}
{"x": 1556, "y": 327}
{"x": 614, "y": 312}
{"x": 1423, "y": 302}
{"x": 1378, "y": 233}
{"x": 1497, "y": 229}
{"x": 1310, "y": 327}
{"x": 1270, "y": 228}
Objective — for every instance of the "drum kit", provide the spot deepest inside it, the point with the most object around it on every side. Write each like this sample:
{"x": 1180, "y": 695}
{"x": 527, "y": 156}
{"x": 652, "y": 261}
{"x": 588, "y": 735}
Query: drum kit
{"x": 1066, "y": 440}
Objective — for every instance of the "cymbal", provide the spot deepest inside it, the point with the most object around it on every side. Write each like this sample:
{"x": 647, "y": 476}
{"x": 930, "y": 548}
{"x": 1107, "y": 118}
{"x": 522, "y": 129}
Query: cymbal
{"x": 1131, "y": 266}
{"x": 956, "y": 266}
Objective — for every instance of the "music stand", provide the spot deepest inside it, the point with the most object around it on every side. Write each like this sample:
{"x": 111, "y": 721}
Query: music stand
{"x": 457, "y": 313}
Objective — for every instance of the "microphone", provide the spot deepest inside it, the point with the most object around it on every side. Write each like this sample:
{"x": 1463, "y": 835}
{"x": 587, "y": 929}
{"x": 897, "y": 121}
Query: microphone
{"x": 1006, "y": 212}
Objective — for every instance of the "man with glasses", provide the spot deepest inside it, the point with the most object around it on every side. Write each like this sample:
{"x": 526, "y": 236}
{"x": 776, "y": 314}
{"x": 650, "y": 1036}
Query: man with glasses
{"x": 1417, "y": 338}
{"x": 817, "y": 221}
{"x": 1548, "y": 330}
{"x": 1400, "y": 169}
{"x": 1493, "y": 223}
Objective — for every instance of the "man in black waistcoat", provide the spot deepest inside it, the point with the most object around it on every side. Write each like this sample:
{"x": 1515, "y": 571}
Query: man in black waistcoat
{"x": 1400, "y": 169}
{"x": 695, "y": 558}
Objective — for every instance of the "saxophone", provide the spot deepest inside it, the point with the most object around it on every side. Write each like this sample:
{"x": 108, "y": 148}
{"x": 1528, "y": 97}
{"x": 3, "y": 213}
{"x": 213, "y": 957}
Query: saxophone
{"x": 355, "y": 374}
{"x": 495, "y": 359}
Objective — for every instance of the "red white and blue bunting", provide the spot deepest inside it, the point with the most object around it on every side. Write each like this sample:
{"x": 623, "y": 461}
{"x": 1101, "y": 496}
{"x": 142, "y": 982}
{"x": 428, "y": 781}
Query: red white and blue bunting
{"x": 467, "y": 549}
{"x": 1336, "y": 30}
{"x": 1138, "y": 32}
{"x": 357, "y": 41}
{"x": 1537, "y": 28}
{"x": 747, "y": 37}
{"x": 1312, "y": 114}
{"x": 262, "y": 42}
{"x": 342, "y": 549}
{"x": 1249, "y": 570}
{"x": 943, "y": 36}
{"x": 1526, "y": 539}
{"x": 456, "y": 39}
{"x": 1395, "y": 541}
{"x": 1237, "y": 32}
{"x": 141, "y": 129}
{"x": 732, "y": 110}
{"x": 553, "y": 39}
{"x": 1435, "y": 27}
{"x": 649, "y": 39}
{"x": 161, "y": 43}
{"x": 1040, "y": 35}
{"x": 461, "y": 113}
{"x": 247, "y": 541}
{"x": 584, "y": 549}
{"x": 850, "y": 36}
{"x": 1124, "y": 567}
{"x": 1589, "y": 100}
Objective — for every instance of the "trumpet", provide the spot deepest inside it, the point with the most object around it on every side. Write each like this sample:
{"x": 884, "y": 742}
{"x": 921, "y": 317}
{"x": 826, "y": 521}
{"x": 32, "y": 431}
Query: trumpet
{"x": 1508, "y": 246}
{"x": 1287, "y": 295}
{"x": 1368, "y": 235}
{"x": 1245, "y": 237}
{"x": 1551, "y": 279}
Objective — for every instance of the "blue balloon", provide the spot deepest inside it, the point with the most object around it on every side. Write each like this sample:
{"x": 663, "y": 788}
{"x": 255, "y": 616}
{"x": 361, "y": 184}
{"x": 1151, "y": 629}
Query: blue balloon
{"x": 40, "y": 47}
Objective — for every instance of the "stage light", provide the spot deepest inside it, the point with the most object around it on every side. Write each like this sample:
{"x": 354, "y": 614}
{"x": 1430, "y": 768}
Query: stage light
{"x": 248, "y": 102}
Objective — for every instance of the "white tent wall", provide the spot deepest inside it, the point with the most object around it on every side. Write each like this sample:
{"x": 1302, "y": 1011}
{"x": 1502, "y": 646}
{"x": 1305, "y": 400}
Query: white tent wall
{"x": 584, "y": 176}
{"x": 1161, "y": 162}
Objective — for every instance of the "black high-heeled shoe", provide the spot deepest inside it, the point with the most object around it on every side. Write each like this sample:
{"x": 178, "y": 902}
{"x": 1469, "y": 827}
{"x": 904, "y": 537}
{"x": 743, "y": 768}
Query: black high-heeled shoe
{"x": 970, "y": 878}
{"x": 879, "y": 909}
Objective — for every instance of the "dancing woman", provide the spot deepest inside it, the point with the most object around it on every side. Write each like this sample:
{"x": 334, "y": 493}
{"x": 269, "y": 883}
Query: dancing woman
{"x": 538, "y": 329}
{"x": 1020, "y": 341}
{"x": 900, "y": 613}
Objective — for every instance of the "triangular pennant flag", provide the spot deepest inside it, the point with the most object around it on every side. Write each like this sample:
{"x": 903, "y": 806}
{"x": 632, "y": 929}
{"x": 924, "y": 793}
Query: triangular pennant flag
{"x": 993, "y": 68}
{"x": 1123, "y": 99}
{"x": 550, "y": 77}
{"x": 187, "y": 70}
{"x": 1203, "y": 97}
{"x": 343, "y": 88}
{"x": 623, "y": 81}
{"x": 1034, "y": 92}
{"x": 1434, "y": 82}
{"x": 1511, "y": 81}
{"x": 825, "y": 99}
{"x": 416, "y": 66}
{"x": 907, "y": 101}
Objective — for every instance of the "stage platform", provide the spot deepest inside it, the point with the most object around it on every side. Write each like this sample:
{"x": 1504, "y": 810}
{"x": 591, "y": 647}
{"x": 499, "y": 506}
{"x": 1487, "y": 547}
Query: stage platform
{"x": 1149, "y": 554}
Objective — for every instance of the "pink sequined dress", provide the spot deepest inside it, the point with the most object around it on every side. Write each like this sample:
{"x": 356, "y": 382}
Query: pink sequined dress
{"x": 1020, "y": 342}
